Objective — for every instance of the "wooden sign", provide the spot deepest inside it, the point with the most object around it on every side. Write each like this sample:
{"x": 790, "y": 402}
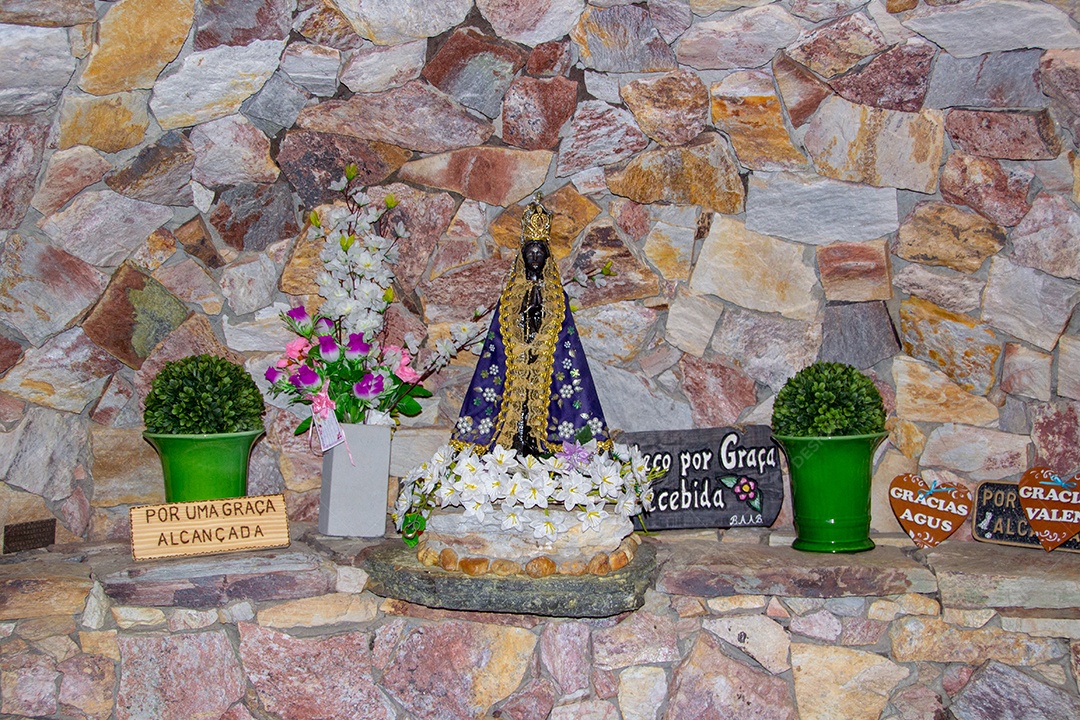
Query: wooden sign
{"x": 208, "y": 527}
{"x": 1051, "y": 505}
{"x": 715, "y": 477}
{"x": 999, "y": 518}
{"x": 928, "y": 513}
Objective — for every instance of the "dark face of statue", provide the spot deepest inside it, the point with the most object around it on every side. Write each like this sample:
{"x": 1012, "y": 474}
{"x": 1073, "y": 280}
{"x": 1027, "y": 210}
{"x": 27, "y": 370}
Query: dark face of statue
{"x": 534, "y": 255}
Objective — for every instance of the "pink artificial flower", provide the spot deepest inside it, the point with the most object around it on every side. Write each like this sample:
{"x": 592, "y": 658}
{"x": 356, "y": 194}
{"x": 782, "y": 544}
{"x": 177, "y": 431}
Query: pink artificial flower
{"x": 297, "y": 349}
{"x": 404, "y": 371}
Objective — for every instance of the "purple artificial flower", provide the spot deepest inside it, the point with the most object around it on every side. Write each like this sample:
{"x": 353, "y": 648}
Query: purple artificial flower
{"x": 273, "y": 375}
{"x": 305, "y": 378}
{"x": 299, "y": 316}
{"x": 328, "y": 349}
{"x": 575, "y": 454}
{"x": 323, "y": 326}
{"x": 369, "y": 387}
{"x": 356, "y": 347}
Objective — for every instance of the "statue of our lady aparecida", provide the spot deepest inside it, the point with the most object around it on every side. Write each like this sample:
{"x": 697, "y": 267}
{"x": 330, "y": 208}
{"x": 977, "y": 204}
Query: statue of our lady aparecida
{"x": 530, "y": 483}
{"x": 532, "y": 389}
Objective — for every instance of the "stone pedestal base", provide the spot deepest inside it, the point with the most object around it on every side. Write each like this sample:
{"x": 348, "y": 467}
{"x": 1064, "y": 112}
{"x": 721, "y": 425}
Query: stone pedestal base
{"x": 395, "y": 572}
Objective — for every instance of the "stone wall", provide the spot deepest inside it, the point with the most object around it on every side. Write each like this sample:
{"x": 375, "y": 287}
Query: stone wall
{"x": 739, "y": 626}
{"x": 891, "y": 184}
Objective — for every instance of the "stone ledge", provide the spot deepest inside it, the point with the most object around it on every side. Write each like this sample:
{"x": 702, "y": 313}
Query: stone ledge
{"x": 1029, "y": 586}
{"x": 711, "y": 569}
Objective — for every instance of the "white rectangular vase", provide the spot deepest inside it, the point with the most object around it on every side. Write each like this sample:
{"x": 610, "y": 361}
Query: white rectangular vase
{"x": 353, "y": 498}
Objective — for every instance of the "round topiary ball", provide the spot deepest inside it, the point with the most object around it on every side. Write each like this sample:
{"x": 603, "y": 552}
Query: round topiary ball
{"x": 828, "y": 399}
{"x": 203, "y": 394}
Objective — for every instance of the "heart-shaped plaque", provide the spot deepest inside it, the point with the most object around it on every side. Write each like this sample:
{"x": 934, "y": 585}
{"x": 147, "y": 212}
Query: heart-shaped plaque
{"x": 1051, "y": 505}
{"x": 928, "y": 514}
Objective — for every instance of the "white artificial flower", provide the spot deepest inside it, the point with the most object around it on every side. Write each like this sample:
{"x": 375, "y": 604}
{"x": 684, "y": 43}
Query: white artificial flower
{"x": 478, "y": 508}
{"x": 608, "y": 479}
{"x": 503, "y": 458}
{"x": 574, "y": 490}
{"x": 510, "y": 516}
{"x": 548, "y": 527}
{"x": 531, "y": 494}
{"x": 447, "y": 495}
{"x": 593, "y": 514}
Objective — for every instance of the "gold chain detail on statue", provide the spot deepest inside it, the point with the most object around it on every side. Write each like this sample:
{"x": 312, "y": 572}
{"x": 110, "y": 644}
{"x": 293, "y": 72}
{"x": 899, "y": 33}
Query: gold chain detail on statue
{"x": 529, "y": 365}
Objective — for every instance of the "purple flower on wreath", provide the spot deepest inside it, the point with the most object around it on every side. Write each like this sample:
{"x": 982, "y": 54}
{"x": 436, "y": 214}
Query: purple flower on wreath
{"x": 745, "y": 489}
{"x": 575, "y": 455}
{"x": 300, "y": 318}
{"x": 356, "y": 347}
{"x": 369, "y": 387}
{"x": 305, "y": 378}
{"x": 328, "y": 349}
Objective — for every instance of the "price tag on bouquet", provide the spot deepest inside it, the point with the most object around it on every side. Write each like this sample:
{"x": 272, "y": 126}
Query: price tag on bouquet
{"x": 329, "y": 431}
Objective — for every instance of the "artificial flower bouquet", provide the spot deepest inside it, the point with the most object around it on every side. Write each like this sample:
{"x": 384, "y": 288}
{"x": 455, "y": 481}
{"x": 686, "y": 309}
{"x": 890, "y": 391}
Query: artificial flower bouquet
{"x": 338, "y": 364}
{"x": 518, "y": 490}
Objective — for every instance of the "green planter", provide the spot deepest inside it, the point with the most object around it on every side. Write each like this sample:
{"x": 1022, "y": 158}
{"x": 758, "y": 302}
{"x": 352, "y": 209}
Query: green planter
{"x": 830, "y": 490}
{"x": 204, "y": 467}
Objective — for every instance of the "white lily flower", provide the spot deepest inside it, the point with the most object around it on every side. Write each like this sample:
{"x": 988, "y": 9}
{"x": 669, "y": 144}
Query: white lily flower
{"x": 591, "y": 517}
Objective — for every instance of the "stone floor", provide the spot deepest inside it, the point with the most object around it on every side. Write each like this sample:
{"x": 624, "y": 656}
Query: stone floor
{"x": 738, "y": 626}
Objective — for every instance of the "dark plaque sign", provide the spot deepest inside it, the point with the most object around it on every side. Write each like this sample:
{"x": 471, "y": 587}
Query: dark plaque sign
{"x": 715, "y": 477}
{"x": 29, "y": 535}
{"x": 999, "y": 518}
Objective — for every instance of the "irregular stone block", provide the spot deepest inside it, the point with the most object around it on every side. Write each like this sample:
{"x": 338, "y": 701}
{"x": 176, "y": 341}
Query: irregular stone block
{"x": 313, "y": 161}
{"x": 994, "y": 80}
{"x": 1025, "y": 371}
{"x": 134, "y": 314}
{"x": 496, "y": 176}
{"x": 635, "y": 404}
{"x": 102, "y": 227}
{"x": 51, "y": 13}
{"x": 160, "y": 173}
{"x": 253, "y": 216}
{"x": 996, "y": 193}
{"x": 988, "y": 26}
{"x": 719, "y": 390}
{"x": 213, "y": 83}
{"x": 415, "y": 116}
{"x": 1059, "y": 75}
{"x": 896, "y": 79}
{"x": 372, "y": 69}
{"x": 633, "y": 279}
{"x": 531, "y": 23}
{"x": 42, "y": 288}
{"x": 239, "y": 24}
{"x": 564, "y": 651}
{"x": 940, "y": 234}
{"x": 426, "y": 216}
{"x": 1048, "y": 238}
{"x": 616, "y": 332}
{"x": 110, "y": 123}
{"x": 959, "y": 293}
{"x": 1015, "y": 135}
{"x": 249, "y": 283}
{"x": 194, "y": 236}
{"x": 691, "y": 321}
{"x": 746, "y": 107}
{"x": 177, "y": 676}
{"x": 755, "y": 271}
{"x": 475, "y": 69}
{"x": 833, "y": 677}
{"x": 21, "y": 147}
{"x": 960, "y": 346}
{"x": 37, "y": 64}
{"x": 670, "y": 249}
{"x": 838, "y": 46}
{"x": 277, "y": 104}
{"x": 708, "y": 678}
{"x": 932, "y": 639}
{"x": 231, "y": 151}
{"x": 404, "y": 21}
{"x": 859, "y": 334}
{"x": 884, "y": 148}
{"x": 66, "y": 373}
{"x": 855, "y": 272}
{"x": 705, "y": 173}
{"x": 124, "y": 60}
{"x": 28, "y": 682}
{"x": 671, "y": 109}
{"x": 534, "y": 110}
{"x": 744, "y": 39}
{"x": 457, "y": 667}
{"x": 1028, "y": 304}
{"x": 66, "y": 174}
{"x": 1068, "y": 370}
{"x": 770, "y": 349}
{"x": 550, "y": 59}
{"x": 88, "y": 683}
{"x": 42, "y": 588}
{"x": 312, "y": 67}
{"x": 1055, "y": 431}
{"x": 600, "y": 134}
{"x": 621, "y": 39}
{"x": 977, "y": 453}
{"x": 815, "y": 210}
{"x": 926, "y": 395}
{"x": 999, "y": 690}
{"x": 801, "y": 89}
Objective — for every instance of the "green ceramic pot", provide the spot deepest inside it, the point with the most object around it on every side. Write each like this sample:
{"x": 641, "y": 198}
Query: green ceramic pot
{"x": 204, "y": 467}
{"x": 830, "y": 490}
